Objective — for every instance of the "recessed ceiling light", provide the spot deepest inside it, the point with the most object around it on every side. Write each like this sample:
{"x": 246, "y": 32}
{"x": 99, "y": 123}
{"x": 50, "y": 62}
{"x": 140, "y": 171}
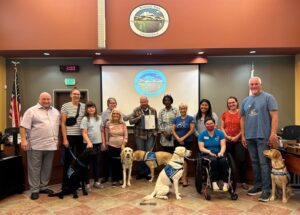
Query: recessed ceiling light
{"x": 149, "y": 53}
{"x": 252, "y": 52}
{"x": 97, "y": 53}
{"x": 201, "y": 52}
{"x": 46, "y": 53}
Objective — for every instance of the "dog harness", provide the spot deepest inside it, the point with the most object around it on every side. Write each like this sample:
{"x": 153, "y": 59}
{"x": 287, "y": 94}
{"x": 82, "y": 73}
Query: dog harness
{"x": 70, "y": 172}
{"x": 171, "y": 171}
{"x": 150, "y": 156}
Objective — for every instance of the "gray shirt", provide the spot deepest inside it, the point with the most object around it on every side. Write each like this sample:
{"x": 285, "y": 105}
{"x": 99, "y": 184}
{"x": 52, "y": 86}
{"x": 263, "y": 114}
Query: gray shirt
{"x": 93, "y": 128}
{"x": 256, "y": 113}
{"x": 41, "y": 127}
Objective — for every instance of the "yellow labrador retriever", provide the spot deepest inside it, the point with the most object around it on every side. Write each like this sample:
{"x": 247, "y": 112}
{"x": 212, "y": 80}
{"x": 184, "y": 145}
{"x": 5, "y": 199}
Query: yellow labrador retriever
{"x": 170, "y": 175}
{"x": 152, "y": 159}
{"x": 126, "y": 159}
{"x": 279, "y": 174}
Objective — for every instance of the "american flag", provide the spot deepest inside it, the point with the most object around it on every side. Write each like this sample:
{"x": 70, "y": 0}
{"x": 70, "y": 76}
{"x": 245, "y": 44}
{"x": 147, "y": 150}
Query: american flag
{"x": 15, "y": 104}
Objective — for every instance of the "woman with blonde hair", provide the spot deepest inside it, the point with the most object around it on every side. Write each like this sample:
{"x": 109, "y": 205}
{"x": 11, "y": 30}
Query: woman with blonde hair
{"x": 116, "y": 138}
{"x": 183, "y": 129}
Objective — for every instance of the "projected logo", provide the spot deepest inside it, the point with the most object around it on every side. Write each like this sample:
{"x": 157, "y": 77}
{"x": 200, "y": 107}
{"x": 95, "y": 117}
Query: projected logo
{"x": 149, "y": 20}
{"x": 150, "y": 82}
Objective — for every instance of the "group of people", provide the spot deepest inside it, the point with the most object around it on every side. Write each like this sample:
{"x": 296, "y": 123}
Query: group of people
{"x": 251, "y": 127}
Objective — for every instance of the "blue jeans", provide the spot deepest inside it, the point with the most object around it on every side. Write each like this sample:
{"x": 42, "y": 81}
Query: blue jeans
{"x": 260, "y": 163}
{"x": 145, "y": 145}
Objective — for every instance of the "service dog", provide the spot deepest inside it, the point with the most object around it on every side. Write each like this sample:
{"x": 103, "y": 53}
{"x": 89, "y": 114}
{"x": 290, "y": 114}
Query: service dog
{"x": 126, "y": 159}
{"x": 170, "y": 175}
{"x": 77, "y": 175}
{"x": 152, "y": 159}
{"x": 279, "y": 175}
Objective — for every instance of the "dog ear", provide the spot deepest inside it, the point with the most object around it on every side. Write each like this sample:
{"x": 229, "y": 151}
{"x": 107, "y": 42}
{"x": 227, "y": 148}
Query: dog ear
{"x": 122, "y": 154}
{"x": 277, "y": 155}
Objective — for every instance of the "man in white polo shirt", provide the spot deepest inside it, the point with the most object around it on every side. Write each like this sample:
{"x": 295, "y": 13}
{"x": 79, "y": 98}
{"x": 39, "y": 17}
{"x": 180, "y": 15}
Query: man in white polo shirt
{"x": 39, "y": 137}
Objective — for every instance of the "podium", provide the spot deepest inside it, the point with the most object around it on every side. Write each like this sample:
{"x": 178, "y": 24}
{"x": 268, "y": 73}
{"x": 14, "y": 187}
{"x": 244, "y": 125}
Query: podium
{"x": 11, "y": 176}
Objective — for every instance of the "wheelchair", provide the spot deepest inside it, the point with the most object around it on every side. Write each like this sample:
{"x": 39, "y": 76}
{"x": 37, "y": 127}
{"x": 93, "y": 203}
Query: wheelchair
{"x": 203, "y": 176}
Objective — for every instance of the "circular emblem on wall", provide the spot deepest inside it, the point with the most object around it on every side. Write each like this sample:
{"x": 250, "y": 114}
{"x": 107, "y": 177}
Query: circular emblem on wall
{"x": 149, "y": 20}
{"x": 150, "y": 82}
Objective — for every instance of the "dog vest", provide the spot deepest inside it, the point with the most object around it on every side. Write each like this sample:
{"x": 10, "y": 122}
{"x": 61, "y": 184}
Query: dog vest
{"x": 148, "y": 156}
{"x": 70, "y": 172}
{"x": 171, "y": 171}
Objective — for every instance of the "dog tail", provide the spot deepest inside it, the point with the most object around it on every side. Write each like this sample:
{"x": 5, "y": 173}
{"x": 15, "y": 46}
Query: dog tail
{"x": 149, "y": 197}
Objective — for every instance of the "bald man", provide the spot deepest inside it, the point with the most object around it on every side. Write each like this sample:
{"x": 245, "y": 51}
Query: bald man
{"x": 39, "y": 138}
{"x": 144, "y": 138}
{"x": 259, "y": 122}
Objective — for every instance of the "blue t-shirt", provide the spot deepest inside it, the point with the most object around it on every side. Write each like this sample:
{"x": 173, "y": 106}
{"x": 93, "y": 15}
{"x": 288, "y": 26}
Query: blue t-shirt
{"x": 212, "y": 143}
{"x": 183, "y": 126}
{"x": 256, "y": 112}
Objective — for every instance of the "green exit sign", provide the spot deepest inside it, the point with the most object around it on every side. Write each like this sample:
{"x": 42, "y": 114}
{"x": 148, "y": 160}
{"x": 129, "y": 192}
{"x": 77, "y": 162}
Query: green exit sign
{"x": 70, "y": 81}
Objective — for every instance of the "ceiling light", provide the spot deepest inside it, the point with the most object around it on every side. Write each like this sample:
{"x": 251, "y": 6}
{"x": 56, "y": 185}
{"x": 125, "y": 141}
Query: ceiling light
{"x": 149, "y": 53}
{"x": 201, "y": 52}
{"x": 46, "y": 53}
{"x": 252, "y": 52}
{"x": 97, "y": 53}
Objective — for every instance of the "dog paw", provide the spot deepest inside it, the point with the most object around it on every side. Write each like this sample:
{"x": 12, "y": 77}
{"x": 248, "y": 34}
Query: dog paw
{"x": 284, "y": 200}
{"x": 178, "y": 197}
{"x": 124, "y": 185}
{"x": 272, "y": 198}
{"x": 129, "y": 184}
{"x": 150, "y": 180}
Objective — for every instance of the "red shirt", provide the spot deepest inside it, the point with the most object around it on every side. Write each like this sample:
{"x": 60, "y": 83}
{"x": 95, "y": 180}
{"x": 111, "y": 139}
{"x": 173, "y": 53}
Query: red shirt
{"x": 231, "y": 123}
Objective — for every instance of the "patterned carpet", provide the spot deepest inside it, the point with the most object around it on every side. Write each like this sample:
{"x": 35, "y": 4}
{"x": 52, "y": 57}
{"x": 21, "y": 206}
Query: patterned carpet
{"x": 127, "y": 201}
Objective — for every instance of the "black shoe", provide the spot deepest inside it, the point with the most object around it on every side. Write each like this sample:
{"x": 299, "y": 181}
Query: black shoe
{"x": 254, "y": 191}
{"x": 34, "y": 196}
{"x": 46, "y": 191}
{"x": 148, "y": 177}
{"x": 265, "y": 196}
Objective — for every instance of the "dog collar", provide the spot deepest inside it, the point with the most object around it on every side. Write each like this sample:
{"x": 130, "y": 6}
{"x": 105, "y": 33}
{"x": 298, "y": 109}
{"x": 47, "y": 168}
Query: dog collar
{"x": 279, "y": 173}
{"x": 178, "y": 162}
{"x": 279, "y": 168}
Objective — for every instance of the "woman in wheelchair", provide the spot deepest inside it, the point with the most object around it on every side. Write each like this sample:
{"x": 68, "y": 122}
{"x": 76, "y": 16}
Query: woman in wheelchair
{"x": 212, "y": 143}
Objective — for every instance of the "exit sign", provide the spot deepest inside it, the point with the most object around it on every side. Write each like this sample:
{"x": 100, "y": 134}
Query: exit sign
{"x": 70, "y": 81}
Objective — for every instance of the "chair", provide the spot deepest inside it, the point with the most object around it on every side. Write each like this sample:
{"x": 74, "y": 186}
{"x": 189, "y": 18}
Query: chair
{"x": 291, "y": 132}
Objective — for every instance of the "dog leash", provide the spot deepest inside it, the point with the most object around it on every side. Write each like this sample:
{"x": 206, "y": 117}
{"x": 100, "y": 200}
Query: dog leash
{"x": 76, "y": 159}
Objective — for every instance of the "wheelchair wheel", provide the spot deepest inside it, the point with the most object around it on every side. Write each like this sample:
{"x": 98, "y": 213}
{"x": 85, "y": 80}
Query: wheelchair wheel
{"x": 198, "y": 175}
{"x": 233, "y": 176}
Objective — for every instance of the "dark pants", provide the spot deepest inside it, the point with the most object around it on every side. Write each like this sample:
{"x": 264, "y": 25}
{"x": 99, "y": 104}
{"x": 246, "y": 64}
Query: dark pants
{"x": 219, "y": 168}
{"x": 95, "y": 162}
{"x": 77, "y": 146}
{"x": 104, "y": 160}
{"x": 238, "y": 152}
{"x": 115, "y": 163}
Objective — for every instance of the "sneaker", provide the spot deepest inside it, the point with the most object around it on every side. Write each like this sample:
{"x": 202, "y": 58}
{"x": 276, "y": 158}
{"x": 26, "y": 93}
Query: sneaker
{"x": 245, "y": 186}
{"x": 215, "y": 186}
{"x": 225, "y": 187}
{"x": 88, "y": 188}
{"x": 254, "y": 191}
{"x": 265, "y": 196}
{"x": 98, "y": 185}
